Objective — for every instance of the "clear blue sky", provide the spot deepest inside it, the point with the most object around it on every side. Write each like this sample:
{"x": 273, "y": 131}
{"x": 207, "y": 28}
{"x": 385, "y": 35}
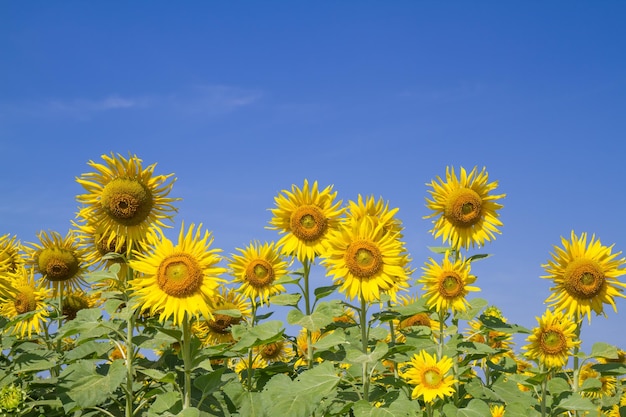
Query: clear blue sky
{"x": 243, "y": 99}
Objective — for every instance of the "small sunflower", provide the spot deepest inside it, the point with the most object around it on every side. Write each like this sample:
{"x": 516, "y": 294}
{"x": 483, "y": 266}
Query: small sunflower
{"x": 495, "y": 339}
{"x": 178, "y": 280}
{"x": 429, "y": 376}
{"x": 257, "y": 268}
{"x": 551, "y": 343}
{"x": 10, "y": 253}
{"x": 376, "y": 209}
{"x": 366, "y": 261}
{"x": 447, "y": 284}
{"x": 28, "y": 297}
{"x": 279, "y": 351}
{"x": 126, "y": 200}
{"x": 302, "y": 346}
{"x": 58, "y": 259}
{"x": 77, "y": 300}
{"x": 102, "y": 249}
{"x": 464, "y": 212}
{"x": 608, "y": 383}
{"x": 585, "y": 276}
{"x": 304, "y": 217}
{"x": 497, "y": 410}
{"x": 229, "y": 309}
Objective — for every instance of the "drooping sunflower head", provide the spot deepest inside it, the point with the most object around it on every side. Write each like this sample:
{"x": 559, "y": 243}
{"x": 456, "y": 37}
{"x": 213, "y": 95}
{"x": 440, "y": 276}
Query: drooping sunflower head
{"x": 378, "y": 210}
{"x": 77, "y": 300}
{"x": 304, "y": 218}
{"x": 552, "y": 341}
{"x": 257, "y": 268}
{"x": 279, "y": 351}
{"x": 11, "y": 257}
{"x": 178, "y": 281}
{"x": 125, "y": 200}
{"x": 429, "y": 376}
{"x": 585, "y": 276}
{"x": 26, "y": 296}
{"x": 230, "y": 308}
{"x": 366, "y": 261}
{"x": 58, "y": 259}
{"x": 464, "y": 212}
{"x": 447, "y": 284}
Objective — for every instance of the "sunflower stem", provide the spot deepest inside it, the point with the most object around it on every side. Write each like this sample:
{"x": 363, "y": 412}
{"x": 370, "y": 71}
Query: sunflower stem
{"x": 254, "y": 307}
{"x": 392, "y": 336}
{"x": 576, "y": 361}
{"x": 364, "y": 340}
{"x": 441, "y": 338}
{"x": 59, "y": 345}
{"x": 544, "y": 388}
{"x": 187, "y": 361}
{"x": 130, "y": 349}
{"x": 307, "y": 305}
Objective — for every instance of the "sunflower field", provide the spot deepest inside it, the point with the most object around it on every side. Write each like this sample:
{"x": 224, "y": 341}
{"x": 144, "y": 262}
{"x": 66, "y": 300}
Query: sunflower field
{"x": 115, "y": 319}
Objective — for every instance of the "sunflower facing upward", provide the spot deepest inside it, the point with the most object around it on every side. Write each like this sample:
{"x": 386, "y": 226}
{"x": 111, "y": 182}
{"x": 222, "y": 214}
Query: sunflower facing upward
{"x": 464, "y": 212}
{"x": 125, "y": 199}
{"x": 585, "y": 276}
{"x": 552, "y": 342}
{"x": 304, "y": 217}
{"x": 429, "y": 376}
{"x": 178, "y": 280}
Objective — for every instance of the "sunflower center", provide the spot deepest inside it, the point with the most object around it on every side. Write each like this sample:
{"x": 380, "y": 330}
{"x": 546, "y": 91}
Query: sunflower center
{"x": 127, "y": 201}
{"x": 57, "y": 264}
{"x": 25, "y": 301}
{"x": 179, "y": 275}
{"x": 72, "y": 304}
{"x": 583, "y": 278}
{"x": 464, "y": 208}
{"x": 271, "y": 351}
{"x": 221, "y": 323}
{"x": 106, "y": 245}
{"x": 432, "y": 378}
{"x": 363, "y": 259}
{"x": 450, "y": 285}
{"x": 553, "y": 342}
{"x": 420, "y": 319}
{"x": 308, "y": 223}
{"x": 259, "y": 273}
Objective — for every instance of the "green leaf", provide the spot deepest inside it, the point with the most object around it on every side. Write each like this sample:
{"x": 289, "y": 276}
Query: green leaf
{"x": 286, "y": 299}
{"x": 356, "y": 356}
{"x": 159, "y": 376}
{"x": 363, "y": 408}
{"x": 439, "y": 249}
{"x": 329, "y": 340}
{"x": 475, "y": 408}
{"x": 34, "y": 361}
{"x": 478, "y": 256}
{"x": 89, "y": 388}
{"x": 91, "y": 348}
{"x": 591, "y": 384}
{"x": 248, "y": 336}
{"x": 604, "y": 350}
{"x": 210, "y": 381}
{"x": 494, "y": 323}
{"x": 577, "y": 403}
{"x": 323, "y": 315}
{"x": 557, "y": 386}
{"x": 230, "y": 313}
{"x": 476, "y": 305}
{"x": 189, "y": 412}
{"x": 321, "y": 292}
{"x": 167, "y": 402}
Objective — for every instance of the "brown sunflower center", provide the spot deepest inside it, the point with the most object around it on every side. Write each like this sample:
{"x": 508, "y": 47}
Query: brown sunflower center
{"x": 450, "y": 285}
{"x": 272, "y": 351}
{"x": 260, "y": 273}
{"x": 58, "y": 264}
{"x": 106, "y": 245}
{"x": 363, "y": 259}
{"x": 308, "y": 223}
{"x": 432, "y": 378}
{"x": 25, "y": 301}
{"x": 72, "y": 304}
{"x": 464, "y": 208}
{"x": 127, "y": 201}
{"x": 221, "y": 323}
{"x": 553, "y": 342}
{"x": 179, "y": 275}
{"x": 419, "y": 319}
{"x": 583, "y": 278}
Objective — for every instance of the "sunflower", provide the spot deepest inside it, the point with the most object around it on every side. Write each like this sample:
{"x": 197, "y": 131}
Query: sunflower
{"x": 229, "y": 309}
{"x": 125, "y": 200}
{"x": 27, "y": 297}
{"x": 495, "y": 339}
{"x": 304, "y": 217}
{"x": 178, "y": 280}
{"x": 446, "y": 284}
{"x": 257, "y": 268}
{"x": 58, "y": 259}
{"x": 464, "y": 212}
{"x": 10, "y": 256}
{"x": 102, "y": 249}
{"x": 608, "y": 383}
{"x": 551, "y": 343}
{"x": 366, "y": 261}
{"x": 497, "y": 411}
{"x": 429, "y": 376}
{"x": 376, "y": 209}
{"x": 77, "y": 300}
{"x": 278, "y": 351}
{"x": 302, "y": 346}
{"x": 585, "y": 276}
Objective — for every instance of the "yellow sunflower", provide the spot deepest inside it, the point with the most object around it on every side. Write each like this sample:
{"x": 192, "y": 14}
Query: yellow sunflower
{"x": 464, "y": 212}
{"x": 125, "y": 199}
{"x": 378, "y": 210}
{"x": 10, "y": 253}
{"x": 304, "y": 217}
{"x": 229, "y": 309}
{"x": 257, "y": 268}
{"x": 447, "y": 284}
{"x": 77, "y": 300}
{"x": 552, "y": 342}
{"x": 279, "y": 351}
{"x": 302, "y": 346}
{"x": 585, "y": 276}
{"x": 497, "y": 410}
{"x": 609, "y": 382}
{"x": 28, "y": 297}
{"x": 102, "y": 249}
{"x": 366, "y": 261}
{"x": 58, "y": 259}
{"x": 429, "y": 376}
{"x": 495, "y": 339}
{"x": 178, "y": 280}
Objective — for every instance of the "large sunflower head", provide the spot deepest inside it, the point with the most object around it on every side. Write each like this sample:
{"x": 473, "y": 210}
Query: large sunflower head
{"x": 125, "y": 200}
{"x": 366, "y": 261}
{"x": 447, "y": 284}
{"x": 178, "y": 280}
{"x": 304, "y": 217}
{"x": 552, "y": 341}
{"x": 585, "y": 276}
{"x": 58, "y": 259}
{"x": 376, "y": 209}
{"x": 429, "y": 376}
{"x": 230, "y": 308}
{"x": 464, "y": 212}
{"x": 27, "y": 296}
{"x": 256, "y": 268}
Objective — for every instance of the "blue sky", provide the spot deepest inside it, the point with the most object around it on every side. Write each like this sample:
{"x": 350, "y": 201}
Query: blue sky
{"x": 243, "y": 99}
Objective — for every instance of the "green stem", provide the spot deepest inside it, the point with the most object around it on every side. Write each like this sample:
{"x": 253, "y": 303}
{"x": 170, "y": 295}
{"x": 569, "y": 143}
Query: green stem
{"x": 364, "y": 340}
{"x": 544, "y": 388}
{"x": 576, "y": 360}
{"x": 250, "y": 358}
{"x": 187, "y": 361}
{"x": 130, "y": 348}
{"x": 392, "y": 337}
{"x": 307, "y": 305}
{"x": 441, "y": 338}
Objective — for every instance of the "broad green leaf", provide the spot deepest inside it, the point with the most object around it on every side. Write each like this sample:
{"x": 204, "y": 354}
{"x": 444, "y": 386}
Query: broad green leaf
{"x": 591, "y": 384}
{"x": 363, "y": 408}
{"x": 89, "y": 388}
{"x": 323, "y": 315}
{"x": 494, "y": 323}
{"x": 210, "y": 381}
{"x": 230, "y": 313}
{"x": 475, "y": 408}
{"x": 321, "y": 292}
{"x": 91, "y": 348}
{"x": 167, "y": 402}
{"x": 329, "y": 340}
{"x": 476, "y": 305}
{"x": 577, "y": 403}
{"x": 478, "y": 256}
{"x": 356, "y": 356}
{"x": 286, "y": 299}
{"x": 159, "y": 376}
{"x": 248, "y": 336}
{"x": 558, "y": 385}
{"x": 610, "y": 368}
{"x": 251, "y": 405}
{"x": 34, "y": 361}
{"x": 604, "y": 350}
{"x": 189, "y": 412}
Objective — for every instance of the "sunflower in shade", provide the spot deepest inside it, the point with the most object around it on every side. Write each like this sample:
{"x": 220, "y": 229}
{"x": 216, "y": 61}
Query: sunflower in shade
{"x": 230, "y": 308}
{"x": 77, "y": 300}
{"x": 125, "y": 201}
{"x": 465, "y": 213}
{"x": 304, "y": 216}
{"x": 429, "y": 376}
{"x": 178, "y": 280}
{"x": 553, "y": 340}
{"x": 278, "y": 351}
{"x": 585, "y": 276}
{"x": 256, "y": 269}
